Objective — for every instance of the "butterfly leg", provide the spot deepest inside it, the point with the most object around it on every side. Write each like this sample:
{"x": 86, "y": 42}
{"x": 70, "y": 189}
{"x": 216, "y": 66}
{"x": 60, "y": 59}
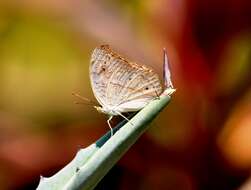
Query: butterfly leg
{"x": 108, "y": 122}
{"x": 125, "y": 118}
{"x": 157, "y": 95}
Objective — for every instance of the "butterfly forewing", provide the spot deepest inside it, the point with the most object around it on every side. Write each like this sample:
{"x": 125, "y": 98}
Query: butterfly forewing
{"x": 119, "y": 82}
{"x": 100, "y": 73}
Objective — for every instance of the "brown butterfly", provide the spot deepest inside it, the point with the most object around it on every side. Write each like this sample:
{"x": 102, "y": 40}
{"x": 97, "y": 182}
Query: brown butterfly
{"x": 120, "y": 85}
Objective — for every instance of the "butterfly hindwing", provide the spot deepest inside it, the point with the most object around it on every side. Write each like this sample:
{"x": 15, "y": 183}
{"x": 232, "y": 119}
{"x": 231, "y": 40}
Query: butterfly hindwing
{"x": 119, "y": 82}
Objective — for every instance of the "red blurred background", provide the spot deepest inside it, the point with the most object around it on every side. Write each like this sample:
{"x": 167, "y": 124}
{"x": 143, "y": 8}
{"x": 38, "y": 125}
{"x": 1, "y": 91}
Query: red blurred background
{"x": 202, "y": 140}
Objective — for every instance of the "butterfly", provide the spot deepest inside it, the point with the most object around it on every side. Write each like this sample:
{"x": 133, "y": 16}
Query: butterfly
{"x": 120, "y": 85}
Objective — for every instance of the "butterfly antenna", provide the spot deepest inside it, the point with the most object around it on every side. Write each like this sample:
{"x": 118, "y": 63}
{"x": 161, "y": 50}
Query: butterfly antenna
{"x": 85, "y": 101}
{"x": 166, "y": 70}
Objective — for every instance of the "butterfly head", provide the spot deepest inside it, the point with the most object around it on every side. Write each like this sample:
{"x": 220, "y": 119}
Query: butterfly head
{"x": 105, "y": 110}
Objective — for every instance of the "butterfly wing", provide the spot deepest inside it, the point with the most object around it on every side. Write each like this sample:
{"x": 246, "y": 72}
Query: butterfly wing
{"x": 100, "y": 73}
{"x": 144, "y": 85}
{"x": 121, "y": 84}
{"x": 133, "y": 83}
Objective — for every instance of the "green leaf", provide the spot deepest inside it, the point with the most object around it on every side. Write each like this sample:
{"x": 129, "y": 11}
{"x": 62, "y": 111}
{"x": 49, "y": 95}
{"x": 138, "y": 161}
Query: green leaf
{"x": 91, "y": 164}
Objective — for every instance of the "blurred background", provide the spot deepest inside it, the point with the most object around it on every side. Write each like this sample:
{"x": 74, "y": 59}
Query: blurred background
{"x": 201, "y": 141}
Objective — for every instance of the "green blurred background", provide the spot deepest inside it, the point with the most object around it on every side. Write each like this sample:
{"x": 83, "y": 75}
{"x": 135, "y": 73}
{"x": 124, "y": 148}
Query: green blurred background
{"x": 202, "y": 140}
